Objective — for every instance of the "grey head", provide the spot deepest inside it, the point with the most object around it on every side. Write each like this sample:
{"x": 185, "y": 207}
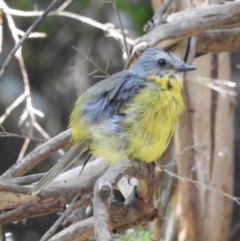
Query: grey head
{"x": 156, "y": 62}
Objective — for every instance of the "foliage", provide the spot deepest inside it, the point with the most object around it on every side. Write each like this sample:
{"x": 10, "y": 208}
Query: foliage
{"x": 137, "y": 234}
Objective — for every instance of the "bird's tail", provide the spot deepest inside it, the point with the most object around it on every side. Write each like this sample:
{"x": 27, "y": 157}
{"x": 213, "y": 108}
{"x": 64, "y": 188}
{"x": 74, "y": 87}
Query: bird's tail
{"x": 70, "y": 157}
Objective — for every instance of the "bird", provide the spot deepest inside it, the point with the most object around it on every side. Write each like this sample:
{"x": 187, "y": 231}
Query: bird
{"x": 130, "y": 115}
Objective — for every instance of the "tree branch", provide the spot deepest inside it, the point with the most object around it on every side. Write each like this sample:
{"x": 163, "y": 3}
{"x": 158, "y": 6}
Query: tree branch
{"x": 118, "y": 216}
{"x": 25, "y": 36}
{"x": 70, "y": 183}
{"x": 193, "y": 21}
{"x": 74, "y": 205}
{"x": 223, "y": 40}
{"x": 141, "y": 197}
{"x": 37, "y": 155}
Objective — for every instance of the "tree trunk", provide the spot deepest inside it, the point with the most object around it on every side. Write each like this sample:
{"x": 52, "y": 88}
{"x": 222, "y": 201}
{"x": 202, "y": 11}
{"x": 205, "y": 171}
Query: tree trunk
{"x": 204, "y": 147}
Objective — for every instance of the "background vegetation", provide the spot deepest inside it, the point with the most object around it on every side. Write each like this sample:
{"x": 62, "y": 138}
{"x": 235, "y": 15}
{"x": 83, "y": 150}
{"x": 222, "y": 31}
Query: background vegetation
{"x": 58, "y": 72}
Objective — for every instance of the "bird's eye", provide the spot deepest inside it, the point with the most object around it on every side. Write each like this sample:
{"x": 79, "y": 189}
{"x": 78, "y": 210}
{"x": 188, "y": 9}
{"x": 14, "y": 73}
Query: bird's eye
{"x": 162, "y": 62}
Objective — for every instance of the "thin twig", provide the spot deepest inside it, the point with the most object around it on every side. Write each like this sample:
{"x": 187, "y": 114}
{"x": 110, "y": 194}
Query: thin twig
{"x": 9, "y": 134}
{"x": 157, "y": 18}
{"x": 29, "y": 111}
{"x": 45, "y": 135}
{"x": 192, "y": 48}
{"x": 216, "y": 84}
{"x": 18, "y": 101}
{"x": 33, "y": 34}
{"x": 28, "y": 103}
{"x": 197, "y": 183}
{"x": 26, "y": 180}
{"x": 27, "y": 93}
{"x": 105, "y": 27}
{"x": 73, "y": 205}
{"x": 25, "y": 36}
{"x": 89, "y": 59}
{"x": 121, "y": 27}
{"x": 11, "y": 187}
{"x": 64, "y": 5}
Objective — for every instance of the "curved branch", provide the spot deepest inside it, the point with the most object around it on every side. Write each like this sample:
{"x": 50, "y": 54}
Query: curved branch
{"x": 139, "y": 201}
{"x": 137, "y": 208}
{"x": 70, "y": 183}
{"x": 191, "y": 22}
{"x": 107, "y": 28}
{"x": 79, "y": 231}
{"x": 102, "y": 197}
{"x": 73, "y": 206}
{"x": 37, "y": 155}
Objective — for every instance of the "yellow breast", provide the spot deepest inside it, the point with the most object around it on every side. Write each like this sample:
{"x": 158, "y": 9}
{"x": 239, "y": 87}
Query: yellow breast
{"x": 155, "y": 111}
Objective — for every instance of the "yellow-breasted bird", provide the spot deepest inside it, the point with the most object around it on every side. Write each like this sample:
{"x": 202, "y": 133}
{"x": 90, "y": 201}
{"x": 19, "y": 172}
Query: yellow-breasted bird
{"x": 130, "y": 115}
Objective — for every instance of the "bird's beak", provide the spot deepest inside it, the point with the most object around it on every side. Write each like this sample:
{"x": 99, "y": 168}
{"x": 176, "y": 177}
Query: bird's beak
{"x": 184, "y": 67}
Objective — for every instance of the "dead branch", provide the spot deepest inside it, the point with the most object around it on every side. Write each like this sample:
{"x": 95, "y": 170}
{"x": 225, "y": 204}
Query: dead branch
{"x": 157, "y": 18}
{"x": 25, "y": 36}
{"x": 10, "y": 187}
{"x": 223, "y": 40}
{"x": 143, "y": 193}
{"x": 102, "y": 198}
{"x": 201, "y": 185}
{"x": 77, "y": 232}
{"x": 109, "y": 29}
{"x": 44, "y": 206}
{"x": 70, "y": 183}
{"x": 33, "y": 209}
{"x": 37, "y": 155}
{"x": 193, "y": 21}
{"x": 124, "y": 45}
{"x": 74, "y": 205}
{"x": 26, "y": 180}
{"x": 72, "y": 178}
{"x": 138, "y": 206}
{"x": 170, "y": 33}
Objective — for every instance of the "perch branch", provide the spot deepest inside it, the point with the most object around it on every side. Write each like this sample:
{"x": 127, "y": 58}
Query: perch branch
{"x": 102, "y": 197}
{"x": 121, "y": 216}
{"x": 70, "y": 183}
{"x": 140, "y": 198}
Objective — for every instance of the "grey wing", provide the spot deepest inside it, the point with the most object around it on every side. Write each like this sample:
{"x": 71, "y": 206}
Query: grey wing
{"x": 105, "y": 99}
{"x": 109, "y": 96}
